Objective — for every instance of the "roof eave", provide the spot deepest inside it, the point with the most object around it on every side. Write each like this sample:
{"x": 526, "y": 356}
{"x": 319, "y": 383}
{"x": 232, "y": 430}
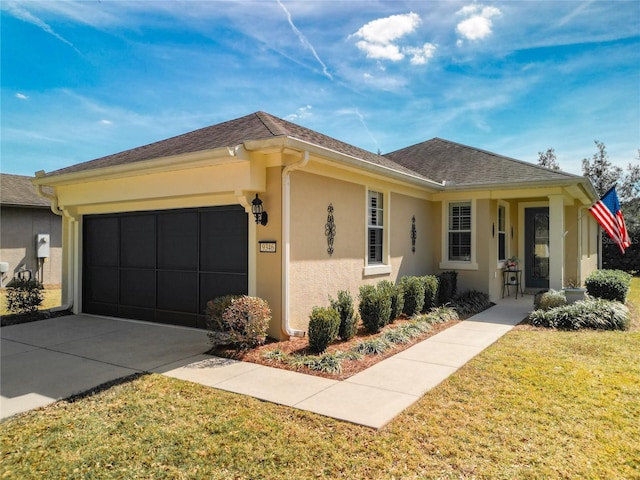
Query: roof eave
{"x": 293, "y": 143}
{"x": 222, "y": 155}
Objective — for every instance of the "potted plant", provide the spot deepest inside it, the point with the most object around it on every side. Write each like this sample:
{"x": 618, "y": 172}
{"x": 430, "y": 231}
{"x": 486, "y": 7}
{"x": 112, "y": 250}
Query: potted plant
{"x": 573, "y": 291}
{"x": 511, "y": 263}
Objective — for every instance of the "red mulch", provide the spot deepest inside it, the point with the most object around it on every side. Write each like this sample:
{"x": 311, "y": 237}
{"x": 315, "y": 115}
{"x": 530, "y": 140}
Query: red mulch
{"x": 300, "y": 346}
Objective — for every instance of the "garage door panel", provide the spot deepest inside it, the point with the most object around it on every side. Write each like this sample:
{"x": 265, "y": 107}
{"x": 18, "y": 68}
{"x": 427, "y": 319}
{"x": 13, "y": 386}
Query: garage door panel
{"x": 138, "y": 288}
{"x": 103, "y": 235}
{"x": 177, "y": 318}
{"x": 138, "y": 241}
{"x": 178, "y": 291}
{"x": 178, "y": 241}
{"x": 137, "y": 313}
{"x": 223, "y": 237}
{"x": 101, "y": 284}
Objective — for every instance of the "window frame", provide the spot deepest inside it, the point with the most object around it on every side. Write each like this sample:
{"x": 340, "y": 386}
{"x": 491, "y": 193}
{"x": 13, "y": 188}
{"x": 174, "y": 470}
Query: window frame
{"x": 445, "y": 260}
{"x": 504, "y": 232}
{"x": 381, "y": 265}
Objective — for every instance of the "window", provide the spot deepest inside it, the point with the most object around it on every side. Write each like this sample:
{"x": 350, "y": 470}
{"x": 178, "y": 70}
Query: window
{"x": 460, "y": 232}
{"x": 375, "y": 232}
{"x": 502, "y": 233}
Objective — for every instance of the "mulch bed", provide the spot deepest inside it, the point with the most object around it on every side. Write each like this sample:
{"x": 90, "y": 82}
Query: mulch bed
{"x": 300, "y": 346}
{"x": 18, "y": 318}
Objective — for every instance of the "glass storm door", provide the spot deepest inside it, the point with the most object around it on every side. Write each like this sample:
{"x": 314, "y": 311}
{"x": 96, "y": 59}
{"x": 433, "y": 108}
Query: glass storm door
{"x": 536, "y": 247}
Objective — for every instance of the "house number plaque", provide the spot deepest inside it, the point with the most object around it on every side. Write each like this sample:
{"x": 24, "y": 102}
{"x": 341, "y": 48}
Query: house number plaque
{"x": 268, "y": 247}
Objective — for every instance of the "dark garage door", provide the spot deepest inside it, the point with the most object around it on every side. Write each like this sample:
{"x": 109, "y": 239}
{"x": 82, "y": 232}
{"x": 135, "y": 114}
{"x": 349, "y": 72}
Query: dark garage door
{"x": 164, "y": 266}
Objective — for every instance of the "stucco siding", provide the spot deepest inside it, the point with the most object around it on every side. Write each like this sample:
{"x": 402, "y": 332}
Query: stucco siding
{"x": 20, "y": 225}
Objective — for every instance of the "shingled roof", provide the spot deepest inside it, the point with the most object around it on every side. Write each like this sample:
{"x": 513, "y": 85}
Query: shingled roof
{"x": 17, "y": 190}
{"x": 442, "y": 160}
{"x": 255, "y": 126}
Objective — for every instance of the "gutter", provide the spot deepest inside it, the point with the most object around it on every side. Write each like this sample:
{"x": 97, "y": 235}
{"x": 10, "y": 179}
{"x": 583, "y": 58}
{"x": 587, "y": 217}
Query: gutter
{"x": 55, "y": 208}
{"x": 286, "y": 234}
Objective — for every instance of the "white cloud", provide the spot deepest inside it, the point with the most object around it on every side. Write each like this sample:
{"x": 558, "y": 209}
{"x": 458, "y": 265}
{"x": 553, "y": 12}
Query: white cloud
{"x": 380, "y": 39}
{"x": 106, "y": 122}
{"x": 421, "y": 55}
{"x": 478, "y": 24}
{"x": 302, "y": 112}
{"x": 21, "y": 96}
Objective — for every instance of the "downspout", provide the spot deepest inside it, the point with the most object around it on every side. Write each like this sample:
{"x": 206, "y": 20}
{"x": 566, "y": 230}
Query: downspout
{"x": 59, "y": 211}
{"x": 286, "y": 233}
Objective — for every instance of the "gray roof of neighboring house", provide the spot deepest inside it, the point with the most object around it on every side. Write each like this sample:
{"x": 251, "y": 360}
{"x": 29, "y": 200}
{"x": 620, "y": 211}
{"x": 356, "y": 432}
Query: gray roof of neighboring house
{"x": 255, "y": 126}
{"x": 17, "y": 190}
{"x": 442, "y": 160}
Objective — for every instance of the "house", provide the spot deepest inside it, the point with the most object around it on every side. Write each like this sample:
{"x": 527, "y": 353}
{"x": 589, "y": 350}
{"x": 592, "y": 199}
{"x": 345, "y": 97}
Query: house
{"x": 30, "y": 233}
{"x": 154, "y": 232}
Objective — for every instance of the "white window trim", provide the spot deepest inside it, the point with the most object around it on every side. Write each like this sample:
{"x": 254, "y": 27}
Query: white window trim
{"x": 507, "y": 250}
{"x": 445, "y": 263}
{"x": 383, "y": 268}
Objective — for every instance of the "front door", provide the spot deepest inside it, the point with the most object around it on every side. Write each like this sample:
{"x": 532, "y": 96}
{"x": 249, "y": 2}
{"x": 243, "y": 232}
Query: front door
{"x": 536, "y": 247}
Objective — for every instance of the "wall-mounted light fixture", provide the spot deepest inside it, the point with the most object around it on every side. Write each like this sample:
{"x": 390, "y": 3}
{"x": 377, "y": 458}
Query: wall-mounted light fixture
{"x": 258, "y": 211}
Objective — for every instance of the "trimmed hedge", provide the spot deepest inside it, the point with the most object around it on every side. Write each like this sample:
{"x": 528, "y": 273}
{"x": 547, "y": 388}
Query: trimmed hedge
{"x": 608, "y": 284}
{"x": 375, "y": 307}
{"x": 324, "y": 325}
{"x": 348, "y": 319}
{"x": 430, "y": 292}
{"x": 397, "y": 298}
{"x": 447, "y": 286}
{"x": 594, "y": 313}
{"x": 413, "y": 289}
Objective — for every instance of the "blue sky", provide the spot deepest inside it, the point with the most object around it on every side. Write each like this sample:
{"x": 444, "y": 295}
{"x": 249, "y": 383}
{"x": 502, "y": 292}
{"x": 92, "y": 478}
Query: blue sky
{"x": 81, "y": 80}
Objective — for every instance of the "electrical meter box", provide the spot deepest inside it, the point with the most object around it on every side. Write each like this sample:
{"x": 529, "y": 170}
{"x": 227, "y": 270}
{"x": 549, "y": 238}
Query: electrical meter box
{"x": 42, "y": 245}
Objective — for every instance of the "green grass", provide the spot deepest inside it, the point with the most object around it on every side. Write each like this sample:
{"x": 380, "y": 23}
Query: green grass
{"x": 52, "y": 298}
{"x": 538, "y": 404}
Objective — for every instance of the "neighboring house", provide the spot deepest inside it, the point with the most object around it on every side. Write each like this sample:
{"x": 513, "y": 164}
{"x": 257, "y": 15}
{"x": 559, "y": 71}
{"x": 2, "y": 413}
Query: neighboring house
{"x": 155, "y": 232}
{"x": 24, "y": 216}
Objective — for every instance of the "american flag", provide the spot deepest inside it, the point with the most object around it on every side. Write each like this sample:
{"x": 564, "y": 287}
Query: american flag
{"x": 608, "y": 214}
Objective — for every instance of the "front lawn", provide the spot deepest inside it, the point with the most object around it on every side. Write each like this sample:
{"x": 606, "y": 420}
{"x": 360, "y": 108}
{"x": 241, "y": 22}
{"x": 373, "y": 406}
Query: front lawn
{"x": 537, "y": 404}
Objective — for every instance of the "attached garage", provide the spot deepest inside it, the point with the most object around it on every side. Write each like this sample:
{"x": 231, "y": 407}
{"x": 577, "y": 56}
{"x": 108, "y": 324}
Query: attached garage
{"x": 163, "y": 266}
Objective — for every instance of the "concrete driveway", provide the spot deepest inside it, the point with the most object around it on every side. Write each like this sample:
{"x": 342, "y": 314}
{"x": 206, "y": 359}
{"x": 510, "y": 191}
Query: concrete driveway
{"x": 48, "y": 360}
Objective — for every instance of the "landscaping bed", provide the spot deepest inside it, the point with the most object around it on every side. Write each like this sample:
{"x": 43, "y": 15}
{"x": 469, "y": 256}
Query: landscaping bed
{"x": 300, "y": 346}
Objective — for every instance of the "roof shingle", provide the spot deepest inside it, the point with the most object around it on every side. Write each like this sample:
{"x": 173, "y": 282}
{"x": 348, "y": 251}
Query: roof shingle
{"x": 17, "y": 190}
{"x": 442, "y": 160}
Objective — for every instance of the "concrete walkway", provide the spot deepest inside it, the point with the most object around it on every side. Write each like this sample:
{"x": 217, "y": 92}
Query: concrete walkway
{"x": 43, "y": 362}
{"x": 376, "y": 395}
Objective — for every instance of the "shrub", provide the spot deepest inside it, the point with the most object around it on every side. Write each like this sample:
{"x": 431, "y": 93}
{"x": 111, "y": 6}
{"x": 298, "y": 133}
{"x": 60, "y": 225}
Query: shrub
{"x": 397, "y": 298}
{"x": 413, "y": 290}
{"x": 348, "y": 319}
{"x": 549, "y": 299}
{"x": 246, "y": 321}
{"x": 447, "y": 286}
{"x": 375, "y": 307}
{"x": 215, "y": 309}
{"x": 324, "y": 325}
{"x": 430, "y": 292}
{"x": 608, "y": 284}
{"x": 442, "y": 314}
{"x": 373, "y": 346}
{"x": 592, "y": 313}
{"x": 471, "y": 302}
{"x": 24, "y": 296}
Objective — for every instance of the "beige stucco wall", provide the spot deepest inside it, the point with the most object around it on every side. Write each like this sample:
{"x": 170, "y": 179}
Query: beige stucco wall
{"x": 268, "y": 266}
{"x": 20, "y": 225}
{"x": 314, "y": 274}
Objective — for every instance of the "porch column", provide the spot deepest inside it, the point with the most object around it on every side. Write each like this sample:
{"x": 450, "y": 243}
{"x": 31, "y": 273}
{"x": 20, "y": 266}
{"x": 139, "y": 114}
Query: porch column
{"x": 556, "y": 242}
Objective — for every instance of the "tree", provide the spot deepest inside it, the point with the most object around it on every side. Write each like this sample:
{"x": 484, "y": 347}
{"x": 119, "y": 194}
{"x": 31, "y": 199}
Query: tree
{"x": 600, "y": 171}
{"x": 548, "y": 159}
